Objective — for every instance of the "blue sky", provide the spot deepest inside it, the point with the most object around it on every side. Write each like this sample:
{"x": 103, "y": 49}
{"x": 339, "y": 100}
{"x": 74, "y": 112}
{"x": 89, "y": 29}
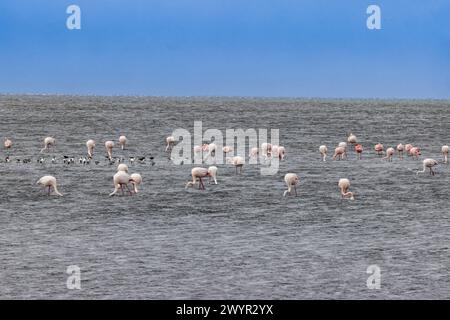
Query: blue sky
{"x": 310, "y": 48}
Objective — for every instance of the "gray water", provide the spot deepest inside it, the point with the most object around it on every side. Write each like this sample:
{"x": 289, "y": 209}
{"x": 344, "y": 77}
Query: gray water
{"x": 239, "y": 239}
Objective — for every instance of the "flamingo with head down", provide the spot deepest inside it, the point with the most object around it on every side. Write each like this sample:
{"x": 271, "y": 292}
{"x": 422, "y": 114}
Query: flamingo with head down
{"x": 344, "y": 185}
{"x": 445, "y": 150}
{"x": 49, "y": 182}
{"x": 291, "y": 180}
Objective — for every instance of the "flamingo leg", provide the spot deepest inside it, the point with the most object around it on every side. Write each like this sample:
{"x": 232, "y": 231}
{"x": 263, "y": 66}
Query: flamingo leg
{"x": 128, "y": 189}
{"x": 121, "y": 188}
{"x": 48, "y": 190}
{"x": 200, "y": 184}
{"x": 295, "y": 189}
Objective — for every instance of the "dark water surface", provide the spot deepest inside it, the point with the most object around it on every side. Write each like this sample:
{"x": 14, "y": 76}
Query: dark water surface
{"x": 239, "y": 239}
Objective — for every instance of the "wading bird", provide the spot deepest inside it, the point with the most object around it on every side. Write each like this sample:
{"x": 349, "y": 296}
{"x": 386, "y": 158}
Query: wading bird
{"x": 344, "y": 185}
{"x": 48, "y": 142}
{"x": 90, "y": 144}
{"x": 291, "y": 180}
{"x": 323, "y": 151}
{"x": 109, "y": 145}
{"x": 49, "y": 182}
{"x": 428, "y": 163}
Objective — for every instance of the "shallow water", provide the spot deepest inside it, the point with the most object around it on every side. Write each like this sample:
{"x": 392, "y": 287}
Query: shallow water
{"x": 239, "y": 239}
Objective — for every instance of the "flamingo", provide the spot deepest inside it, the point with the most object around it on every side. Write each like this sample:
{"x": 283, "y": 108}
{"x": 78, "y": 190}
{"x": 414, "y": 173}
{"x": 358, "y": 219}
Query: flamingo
{"x": 121, "y": 178}
{"x": 170, "y": 140}
{"x": 198, "y": 173}
{"x": 48, "y": 142}
{"x": 428, "y": 163}
{"x": 227, "y": 149}
{"x": 123, "y": 141}
{"x": 122, "y": 167}
{"x": 400, "y": 149}
{"x": 344, "y": 185}
{"x": 7, "y": 143}
{"x": 407, "y": 148}
{"x": 339, "y": 152}
{"x": 389, "y": 153}
{"x": 253, "y": 152}
{"x": 266, "y": 149}
{"x": 343, "y": 145}
{"x": 49, "y": 182}
{"x": 323, "y": 151}
{"x": 352, "y": 139}
{"x": 359, "y": 150}
{"x": 211, "y": 148}
{"x": 136, "y": 180}
{"x": 109, "y": 146}
{"x": 237, "y": 162}
{"x": 379, "y": 149}
{"x": 90, "y": 144}
{"x": 212, "y": 174}
{"x": 414, "y": 152}
{"x": 291, "y": 180}
{"x": 281, "y": 152}
{"x": 445, "y": 150}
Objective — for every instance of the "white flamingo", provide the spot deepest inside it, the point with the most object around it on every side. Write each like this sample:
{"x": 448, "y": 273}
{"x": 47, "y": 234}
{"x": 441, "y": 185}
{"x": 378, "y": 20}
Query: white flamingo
{"x": 352, "y": 139}
{"x": 344, "y": 185}
{"x": 445, "y": 150}
{"x": 90, "y": 144}
{"x": 123, "y": 141}
{"x": 136, "y": 179}
{"x": 291, "y": 180}
{"x": 199, "y": 173}
{"x": 170, "y": 140}
{"x": 109, "y": 145}
{"x": 212, "y": 174}
{"x": 237, "y": 162}
{"x": 428, "y": 163}
{"x": 48, "y": 142}
{"x": 122, "y": 167}
{"x": 120, "y": 179}
{"x": 49, "y": 182}
{"x": 323, "y": 151}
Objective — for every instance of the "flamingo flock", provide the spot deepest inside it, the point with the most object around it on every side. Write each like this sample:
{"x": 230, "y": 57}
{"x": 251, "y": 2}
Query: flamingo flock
{"x": 122, "y": 179}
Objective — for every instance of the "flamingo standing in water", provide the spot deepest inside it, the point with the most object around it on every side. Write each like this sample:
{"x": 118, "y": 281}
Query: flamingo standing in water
{"x": 199, "y": 173}
{"x": 291, "y": 180}
{"x": 408, "y": 147}
{"x": 237, "y": 162}
{"x": 122, "y": 167}
{"x": 428, "y": 163}
{"x": 352, "y": 139}
{"x": 120, "y": 179}
{"x": 90, "y": 144}
{"x": 7, "y": 143}
{"x": 253, "y": 152}
{"x": 48, "y": 142}
{"x": 211, "y": 148}
{"x": 414, "y": 152}
{"x": 136, "y": 180}
{"x": 170, "y": 141}
{"x": 339, "y": 153}
{"x": 323, "y": 151}
{"x": 343, "y": 145}
{"x": 212, "y": 174}
{"x": 266, "y": 150}
{"x": 400, "y": 149}
{"x": 445, "y": 150}
{"x": 109, "y": 145}
{"x": 389, "y": 154}
{"x": 123, "y": 141}
{"x": 359, "y": 150}
{"x": 49, "y": 182}
{"x": 344, "y": 185}
{"x": 281, "y": 152}
{"x": 379, "y": 149}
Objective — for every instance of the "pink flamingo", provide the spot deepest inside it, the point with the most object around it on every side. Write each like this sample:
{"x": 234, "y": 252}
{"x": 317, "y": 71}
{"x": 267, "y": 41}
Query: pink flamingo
{"x": 359, "y": 150}
{"x": 414, "y": 152}
{"x": 389, "y": 153}
{"x": 123, "y": 141}
{"x": 407, "y": 148}
{"x": 339, "y": 152}
{"x": 199, "y": 173}
{"x": 352, "y": 139}
{"x": 136, "y": 179}
{"x": 238, "y": 162}
{"x": 120, "y": 179}
{"x": 170, "y": 141}
{"x": 400, "y": 149}
{"x": 379, "y": 149}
